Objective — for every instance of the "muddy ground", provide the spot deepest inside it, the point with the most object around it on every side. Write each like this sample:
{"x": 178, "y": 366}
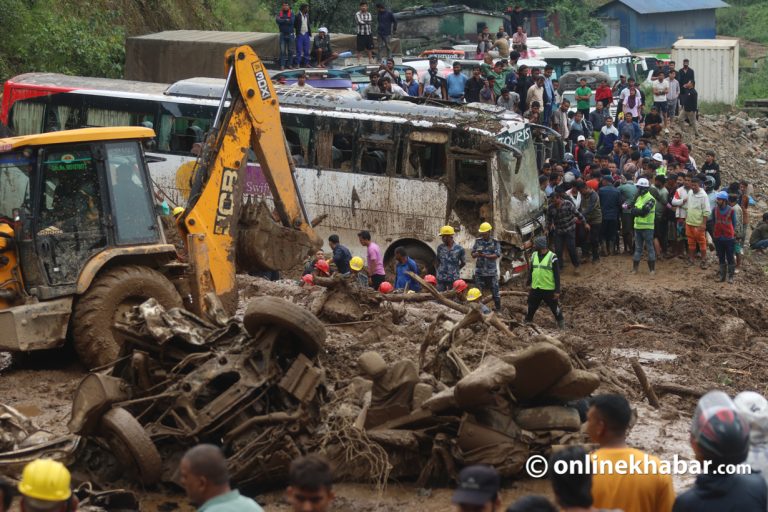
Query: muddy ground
{"x": 684, "y": 327}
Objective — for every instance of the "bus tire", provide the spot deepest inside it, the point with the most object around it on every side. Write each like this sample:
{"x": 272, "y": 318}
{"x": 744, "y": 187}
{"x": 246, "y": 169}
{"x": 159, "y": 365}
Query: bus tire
{"x": 107, "y": 300}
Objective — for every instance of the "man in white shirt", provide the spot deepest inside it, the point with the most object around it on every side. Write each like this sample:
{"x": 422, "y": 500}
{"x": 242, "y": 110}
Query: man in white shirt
{"x": 680, "y": 200}
{"x": 660, "y": 90}
{"x": 363, "y": 20}
{"x": 301, "y": 82}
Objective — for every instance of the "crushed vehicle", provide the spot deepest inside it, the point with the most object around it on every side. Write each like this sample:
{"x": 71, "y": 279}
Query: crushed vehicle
{"x": 253, "y": 387}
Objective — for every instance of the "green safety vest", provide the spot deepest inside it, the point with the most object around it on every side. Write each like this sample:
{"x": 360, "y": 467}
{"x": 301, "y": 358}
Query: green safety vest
{"x": 647, "y": 221}
{"x": 543, "y": 277}
{"x": 661, "y": 171}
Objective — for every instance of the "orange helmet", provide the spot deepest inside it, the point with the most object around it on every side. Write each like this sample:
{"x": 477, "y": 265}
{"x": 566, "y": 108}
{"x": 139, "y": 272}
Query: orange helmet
{"x": 323, "y": 266}
{"x": 459, "y": 285}
{"x": 430, "y": 279}
{"x": 385, "y": 287}
{"x": 308, "y": 278}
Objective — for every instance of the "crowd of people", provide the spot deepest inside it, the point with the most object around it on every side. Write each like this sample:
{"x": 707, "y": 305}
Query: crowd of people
{"x": 724, "y": 433}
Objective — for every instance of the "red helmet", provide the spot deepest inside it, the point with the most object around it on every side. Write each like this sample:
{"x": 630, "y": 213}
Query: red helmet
{"x": 323, "y": 266}
{"x": 308, "y": 278}
{"x": 430, "y": 279}
{"x": 385, "y": 287}
{"x": 459, "y": 285}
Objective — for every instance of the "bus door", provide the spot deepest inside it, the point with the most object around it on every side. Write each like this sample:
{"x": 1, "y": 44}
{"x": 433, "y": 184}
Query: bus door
{"x": 471, "y": 188}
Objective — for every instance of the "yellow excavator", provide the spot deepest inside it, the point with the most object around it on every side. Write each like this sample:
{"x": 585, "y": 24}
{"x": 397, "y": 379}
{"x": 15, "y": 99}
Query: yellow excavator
{"x": 81, "y": 243}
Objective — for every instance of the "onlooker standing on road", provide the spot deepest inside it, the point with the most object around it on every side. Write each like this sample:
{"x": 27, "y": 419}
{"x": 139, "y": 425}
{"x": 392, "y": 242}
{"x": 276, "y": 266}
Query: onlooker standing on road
{"x": 631, "y": 101}
{"x": 561, "y": 218}
{"x": 363, "y": 21}
{"x": 660, "y": 90}
{"x": 685, "y": 75}
{"x": 711, "y": 168}
{"x": 673, "y": 96}
{"x": 697, "y": 213}
{"x": 610, "y": 205}
{"x": 450, "y": 259}
{"x": 550, "y": 94}
{"x": 560, "y": 122}
{"x": 303, "y": 31}
{"x": 725, "y": 236}
{"x": 597, "y": 119}
{"x": 608, "y": 420}
{"x": 643, "y": 214}
{"x": 544, "y": 282}
{"x": 604, "y": 94}
{"x": 690, "y": 105}
{"x": 310, "y": 485}
{"x": 284, "y": 20}
{"x": 375, "y": 261}
{"x": 583, "y": 97}
{"x": 387, "y": 28}
{"x": 341, "y": 255}
{"x": 590, "y": 208}
{"x": 720, "y": 438}
{"x": 608, "y": 137}
{"x": 486, "y": 252}
{"x": 455, "y": 84}
{"x": 573, "y": 489}
{"x": 203, "y": 475}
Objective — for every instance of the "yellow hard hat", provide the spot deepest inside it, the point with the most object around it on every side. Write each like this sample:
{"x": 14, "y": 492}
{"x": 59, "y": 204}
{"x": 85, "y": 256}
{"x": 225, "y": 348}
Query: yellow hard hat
{"x": 47, "y": 480}
{"x": 356, "y": 263}
{"x": 473, "y": 294}
{"x": 447, "y": 230}
{"x": 485, "y": 227}
{"x": 178, "y": 211}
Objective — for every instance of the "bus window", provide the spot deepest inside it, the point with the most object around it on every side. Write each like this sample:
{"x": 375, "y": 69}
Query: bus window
{"x": 62, "y": 117}
{"x": 335, "y": 143}
{"x": 134, "y": 219}
{"x": 27, "y": 118}
{"x": 426, "y": 156}
{"x": 298, "y": 133}
{"x": 377, "y": 147}
{"x": 179, "y": 134}
{"x": 472, "y": 180}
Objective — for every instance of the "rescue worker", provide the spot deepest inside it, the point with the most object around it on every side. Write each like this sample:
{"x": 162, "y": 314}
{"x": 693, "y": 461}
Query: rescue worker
{"x": 341, "y": 255}
{"x": 311, "y": 263}
{"x": 405, "y": 264}
{"x": 322, "y": 268}
{"x": 486, "y": 251}
{"x": 544, "y": 281}
{"x": 45, "y": 487}
{"x": 475, "y": 294}
{"x": 429, "y": 278}
{"x": 386, "y": 287}
{"x": 450, "y": 259}
{"x": 177, "y": 212}
{"x": 643, "y": 210}
{"x": 356, "y": 266}
{"x": 6, "y": 492}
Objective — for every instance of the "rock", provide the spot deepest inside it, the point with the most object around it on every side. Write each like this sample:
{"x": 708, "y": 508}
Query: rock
{"x": 372, "y": 364}
{"x": 742, "y": 115}
{"x": 760, "y": 161}
{"x": 480, "y": 387}
{"x": 539, "y": 367}
{"x": 551, "y": 417}
{"x": 576, "y": 384}
{"x": 545, "y": 338}
{"x": 733, "y": 329}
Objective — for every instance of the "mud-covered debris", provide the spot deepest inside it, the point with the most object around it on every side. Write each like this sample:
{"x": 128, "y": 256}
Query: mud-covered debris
{"x": 482, "y": 387}
{"x": 575, "y": 384}
{"x": 551, "y": 417}
{"x": 539, "y": 367}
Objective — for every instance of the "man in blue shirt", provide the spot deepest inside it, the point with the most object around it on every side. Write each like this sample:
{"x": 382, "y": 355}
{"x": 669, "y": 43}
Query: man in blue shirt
{"x": 549, "y": 94}
{"x": 404, "y": 265}
{"x": 203, "y": 475}
{"x": 456, "y": 83}
{"x": 341, "y": 255}
{"x": 630, "y": 128}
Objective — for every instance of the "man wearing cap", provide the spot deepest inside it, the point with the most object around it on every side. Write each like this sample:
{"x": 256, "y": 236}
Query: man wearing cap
{"x": 486, "y": 252}
{"x": 544, "y": 282}
{"x": 321, "y": 48}
{"x": 451, "y": 259}
{"x": 644, "y": 214}
{"x": 45, "y": 486}
{"x": 432, "y": 77}
{"x": 477, "y": 490}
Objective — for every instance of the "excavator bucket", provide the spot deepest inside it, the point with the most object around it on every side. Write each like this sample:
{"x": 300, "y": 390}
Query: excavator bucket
{"x": 263, "y": 243}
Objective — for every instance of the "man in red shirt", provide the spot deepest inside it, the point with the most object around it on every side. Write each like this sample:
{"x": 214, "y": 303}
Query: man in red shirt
{"x": 679, "y": 150}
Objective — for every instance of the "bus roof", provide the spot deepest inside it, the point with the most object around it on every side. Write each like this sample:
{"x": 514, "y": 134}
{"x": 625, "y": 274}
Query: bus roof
{"x": 79, "y": 135}
{"x": 582, "y": 52}
{"x": 203, "y": 90}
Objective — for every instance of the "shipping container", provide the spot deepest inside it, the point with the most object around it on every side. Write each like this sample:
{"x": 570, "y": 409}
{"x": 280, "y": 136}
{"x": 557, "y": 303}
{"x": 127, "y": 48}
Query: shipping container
{"x": 715, "y": 63}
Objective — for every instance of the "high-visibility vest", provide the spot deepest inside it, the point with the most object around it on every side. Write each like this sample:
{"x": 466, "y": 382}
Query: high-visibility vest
{"x": 543, "y": 277}
{"x": 645, "y": 222}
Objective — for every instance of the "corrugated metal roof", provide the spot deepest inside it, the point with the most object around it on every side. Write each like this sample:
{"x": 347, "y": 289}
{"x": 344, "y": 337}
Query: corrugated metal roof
{"x": 656, "y": 6}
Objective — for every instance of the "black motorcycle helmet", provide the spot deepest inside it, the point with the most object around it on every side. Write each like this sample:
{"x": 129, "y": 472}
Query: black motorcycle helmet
{"x": 719, "y": 431}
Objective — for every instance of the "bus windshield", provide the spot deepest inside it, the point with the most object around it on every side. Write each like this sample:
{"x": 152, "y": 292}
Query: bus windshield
{"x": 519, "y": 188}
{"x": 614, "y": 67}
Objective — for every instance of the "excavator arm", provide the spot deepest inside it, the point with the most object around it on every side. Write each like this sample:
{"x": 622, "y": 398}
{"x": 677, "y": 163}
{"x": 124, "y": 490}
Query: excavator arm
{"x": 224, "y": 235}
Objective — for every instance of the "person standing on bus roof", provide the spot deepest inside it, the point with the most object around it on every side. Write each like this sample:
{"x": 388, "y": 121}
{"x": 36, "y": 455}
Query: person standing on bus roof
{"x": 455, "y": 83}
{"x": 301, "y": 26}
{"x": 486, "y": 251}
{"x": 386, "y": 29}
{"x": 450, "y": 259}
{"x": 363, "y": 21}
{"x": 376, "y": 274}
{"x": 432, "y": 77}
{"x": 284, "y": 20}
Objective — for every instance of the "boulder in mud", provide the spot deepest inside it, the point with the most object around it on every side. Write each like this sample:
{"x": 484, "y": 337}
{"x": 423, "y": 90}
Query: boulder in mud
{"x": 575, "y": 384}
{"x": 481, "y": 387}
{"x": 550, "y": 417}
{"x": 538, "y": 368}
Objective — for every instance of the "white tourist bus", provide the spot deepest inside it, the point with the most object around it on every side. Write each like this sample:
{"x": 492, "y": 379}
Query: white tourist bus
{"x": 614, "y": 61}
{"x": 400, "y": 170}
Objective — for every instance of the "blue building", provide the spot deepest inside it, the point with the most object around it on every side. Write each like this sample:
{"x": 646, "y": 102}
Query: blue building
{"x": 656, "y": 24}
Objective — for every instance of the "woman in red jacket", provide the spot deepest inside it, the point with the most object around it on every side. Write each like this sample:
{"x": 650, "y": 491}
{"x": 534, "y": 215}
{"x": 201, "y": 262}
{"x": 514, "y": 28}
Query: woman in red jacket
{"x": 604, "y": 94}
